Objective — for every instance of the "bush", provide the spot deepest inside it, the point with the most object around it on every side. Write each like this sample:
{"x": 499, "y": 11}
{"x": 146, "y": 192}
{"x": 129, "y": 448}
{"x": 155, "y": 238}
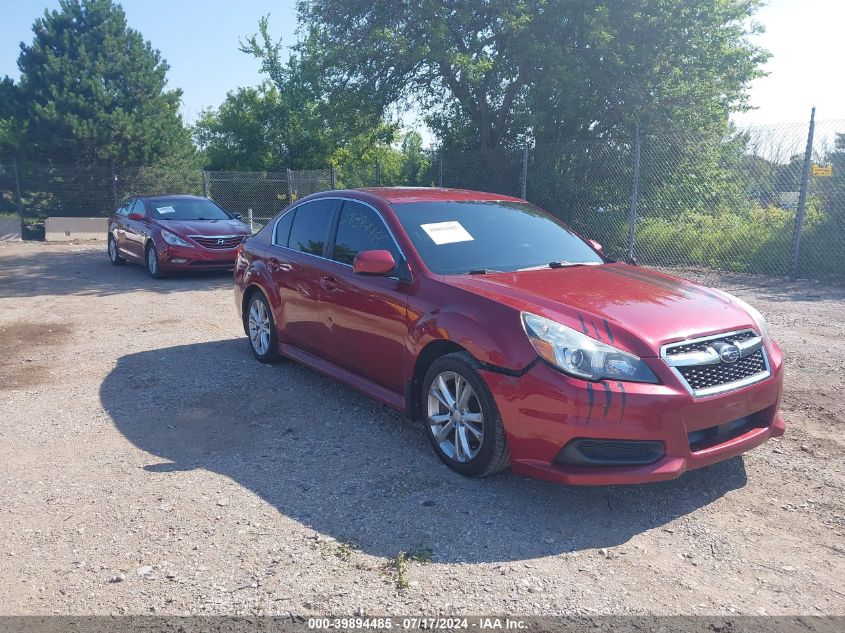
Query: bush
{"x": 757, "y": 239}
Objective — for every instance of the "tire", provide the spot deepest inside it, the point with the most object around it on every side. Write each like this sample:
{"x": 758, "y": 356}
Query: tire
{"x": 459, "y": 427}
{"x": 261, "y": 329}
{"x": 153, "y": 265}
{"x": 114, "y": 257}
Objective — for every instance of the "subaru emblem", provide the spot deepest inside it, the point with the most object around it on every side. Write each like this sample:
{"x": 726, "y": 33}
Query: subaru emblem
{"x": 729, "y": 353}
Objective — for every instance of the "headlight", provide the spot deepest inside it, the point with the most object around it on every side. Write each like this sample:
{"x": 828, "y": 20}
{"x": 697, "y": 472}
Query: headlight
{"x": 579, "y": 355}
{"x": 174, "y": 240}
{"x": 753, "y": 312}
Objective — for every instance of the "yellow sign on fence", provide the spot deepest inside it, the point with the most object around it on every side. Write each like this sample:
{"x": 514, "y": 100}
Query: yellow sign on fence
{"x": 824, "y": 171}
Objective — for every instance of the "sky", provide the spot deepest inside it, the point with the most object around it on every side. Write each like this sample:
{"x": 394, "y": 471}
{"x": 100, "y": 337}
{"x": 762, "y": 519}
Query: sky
{"x": 804, "y": 39}
{"x": 199, "y": 39}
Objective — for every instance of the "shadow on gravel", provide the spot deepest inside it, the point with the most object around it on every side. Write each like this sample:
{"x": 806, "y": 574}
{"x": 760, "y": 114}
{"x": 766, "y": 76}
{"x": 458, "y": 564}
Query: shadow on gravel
{"x": 354, "y": 470}
{"x": 89, "y": 272}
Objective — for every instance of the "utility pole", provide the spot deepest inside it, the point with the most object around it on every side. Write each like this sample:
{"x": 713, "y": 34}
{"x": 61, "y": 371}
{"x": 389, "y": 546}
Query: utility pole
{"x": 290, "y": 187}
{"x": 525, "y": 171}
{"x": 635, "y": 186}
{"x": 440, "y": 168}
{"x": 18, "y": 193}
{"x": 802, "y": 197}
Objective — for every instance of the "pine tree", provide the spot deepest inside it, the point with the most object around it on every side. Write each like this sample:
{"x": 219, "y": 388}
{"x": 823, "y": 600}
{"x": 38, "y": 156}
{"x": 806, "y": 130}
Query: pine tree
{"x": 93, "y": 90}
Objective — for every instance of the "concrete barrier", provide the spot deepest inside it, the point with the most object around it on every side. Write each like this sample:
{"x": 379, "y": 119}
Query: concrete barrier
{"x": 10, "y": 229}
{"x": 67, "y": 229}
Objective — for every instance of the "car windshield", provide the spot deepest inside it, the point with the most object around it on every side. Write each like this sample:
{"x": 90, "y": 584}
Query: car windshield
{"x": 462, "y": 237}
{"x": 186, "y": 209}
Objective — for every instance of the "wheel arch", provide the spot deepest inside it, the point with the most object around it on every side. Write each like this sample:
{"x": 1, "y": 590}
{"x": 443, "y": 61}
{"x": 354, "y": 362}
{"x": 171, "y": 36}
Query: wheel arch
{"x": 248, "y": 293}
{"x": 433, "y": 350}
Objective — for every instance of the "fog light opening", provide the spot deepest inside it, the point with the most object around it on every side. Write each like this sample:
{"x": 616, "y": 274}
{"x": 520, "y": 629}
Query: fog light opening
{"x": 597, "y": 452}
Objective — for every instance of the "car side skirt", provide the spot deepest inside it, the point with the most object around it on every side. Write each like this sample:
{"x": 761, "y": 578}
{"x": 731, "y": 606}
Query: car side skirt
{"x": 368, "y": 387}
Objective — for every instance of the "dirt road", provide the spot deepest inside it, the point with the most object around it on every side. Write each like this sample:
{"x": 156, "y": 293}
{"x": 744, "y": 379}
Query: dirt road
{"x": 149, "y": 464}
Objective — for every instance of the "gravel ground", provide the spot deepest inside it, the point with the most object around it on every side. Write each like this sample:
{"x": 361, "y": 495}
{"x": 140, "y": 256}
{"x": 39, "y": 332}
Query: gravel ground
{"x": 149, "y": 465}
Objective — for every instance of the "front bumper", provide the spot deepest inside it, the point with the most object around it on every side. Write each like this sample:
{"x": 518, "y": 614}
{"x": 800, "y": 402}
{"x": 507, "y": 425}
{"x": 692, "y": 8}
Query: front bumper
{"x": 181, "y": 258}
{"x": 544, "y": 410}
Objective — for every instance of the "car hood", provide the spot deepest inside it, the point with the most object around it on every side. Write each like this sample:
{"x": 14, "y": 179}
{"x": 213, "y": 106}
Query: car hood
{"x": 210, "y": 228}
{"x": 632, "y": 308}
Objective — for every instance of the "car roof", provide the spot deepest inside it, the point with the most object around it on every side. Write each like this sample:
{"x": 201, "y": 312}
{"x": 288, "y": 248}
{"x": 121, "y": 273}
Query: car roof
{"x": 175, "y": 196}
{"x": 434, "y": 194}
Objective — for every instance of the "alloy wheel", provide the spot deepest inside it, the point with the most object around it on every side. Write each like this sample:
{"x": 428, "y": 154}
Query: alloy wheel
{"x": 152, "y": 260}
{"x": 259, "y": 327}
{"x": 454, "y": 416}
{"x": 112, "y": 250}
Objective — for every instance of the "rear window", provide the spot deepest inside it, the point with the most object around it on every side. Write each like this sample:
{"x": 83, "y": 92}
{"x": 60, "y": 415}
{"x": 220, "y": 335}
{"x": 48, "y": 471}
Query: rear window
{"x": 283, "y": 228}
{"x": 311, "y": 226}
{"x": 458, "y": 237}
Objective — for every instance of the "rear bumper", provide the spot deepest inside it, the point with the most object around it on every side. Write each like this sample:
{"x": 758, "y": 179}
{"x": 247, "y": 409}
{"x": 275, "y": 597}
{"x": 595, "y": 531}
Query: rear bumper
{"x": 543, "y": 411}
{"x": 179, "y": 258}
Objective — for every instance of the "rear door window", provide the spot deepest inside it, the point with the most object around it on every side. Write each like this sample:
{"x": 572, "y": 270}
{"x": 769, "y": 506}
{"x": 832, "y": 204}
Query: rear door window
{"x": 311, "y": 226}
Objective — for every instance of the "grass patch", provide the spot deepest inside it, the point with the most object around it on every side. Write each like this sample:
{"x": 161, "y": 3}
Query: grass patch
{"x": 399, "y": 567}
{"x": 342, "y": 550}
{"x": 421, "y": 554}
{"x": 401, "y": 564}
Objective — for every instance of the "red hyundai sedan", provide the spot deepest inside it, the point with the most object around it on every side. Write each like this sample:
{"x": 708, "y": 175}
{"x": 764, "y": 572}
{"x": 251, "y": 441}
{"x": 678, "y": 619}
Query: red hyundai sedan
{"x": 170, "y": 233}
{"x": 515, "y": 341}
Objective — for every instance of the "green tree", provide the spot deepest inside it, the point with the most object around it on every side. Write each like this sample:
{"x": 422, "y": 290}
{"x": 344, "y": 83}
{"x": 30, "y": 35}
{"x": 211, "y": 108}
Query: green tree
{"x": 93, "y": 90}
{"x": 9, "y": 116}
{"x": 287, "y": 122}
{"x": 416, "y": 164}
{"x": 257, "y": 129}
{"x": 487, "y": 72}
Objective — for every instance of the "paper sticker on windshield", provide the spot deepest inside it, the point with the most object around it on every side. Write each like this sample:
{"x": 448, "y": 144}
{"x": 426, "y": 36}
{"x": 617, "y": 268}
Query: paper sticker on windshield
{"x": 165, "y": 209}
{"x": 447, "y": 232}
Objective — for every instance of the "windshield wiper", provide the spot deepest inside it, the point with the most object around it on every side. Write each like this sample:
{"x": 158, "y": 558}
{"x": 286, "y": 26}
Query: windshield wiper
{"x": 482, "y": 271}
{"x": 563, "y": 264}
{"x": 567, "y": 264}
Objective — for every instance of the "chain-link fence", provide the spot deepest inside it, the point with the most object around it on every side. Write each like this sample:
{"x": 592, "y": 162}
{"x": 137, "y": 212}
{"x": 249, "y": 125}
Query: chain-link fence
{"x": 764, "y": 200}
{"x": 761, "y": 200}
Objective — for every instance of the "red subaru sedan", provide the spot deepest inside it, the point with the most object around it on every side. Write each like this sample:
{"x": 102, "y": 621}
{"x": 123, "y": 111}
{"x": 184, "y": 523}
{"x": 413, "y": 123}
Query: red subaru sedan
{"x": 515, "y": 341}
{"x": 170, "y": 233}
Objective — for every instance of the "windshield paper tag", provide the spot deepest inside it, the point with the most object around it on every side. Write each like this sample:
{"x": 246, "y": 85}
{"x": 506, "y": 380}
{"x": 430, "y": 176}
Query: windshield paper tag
{"x": 165, "y": 209}
{"x": 447, "y": 232}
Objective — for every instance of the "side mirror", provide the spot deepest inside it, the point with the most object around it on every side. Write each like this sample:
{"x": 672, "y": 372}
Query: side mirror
{"x": 238, "y": 216}
{"x": 136, "y": 216}
{"x": 373, "y": 263}
{"x": 595, "y": 245}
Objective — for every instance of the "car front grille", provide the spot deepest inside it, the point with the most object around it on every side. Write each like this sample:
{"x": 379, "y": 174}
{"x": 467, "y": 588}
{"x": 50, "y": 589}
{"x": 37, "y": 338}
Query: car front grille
{"x": 718, "y": 363}
{"x": 707, "y": 376}
{"x": 701, "y": 346}
{"x": 219, "y": 242}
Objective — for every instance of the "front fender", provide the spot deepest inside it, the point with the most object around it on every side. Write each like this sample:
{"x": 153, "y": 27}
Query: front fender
{"x": 500, "y": 341}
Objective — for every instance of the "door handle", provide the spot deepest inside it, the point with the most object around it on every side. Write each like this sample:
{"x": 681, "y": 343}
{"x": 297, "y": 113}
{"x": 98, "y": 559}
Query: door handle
{"x": 329, "y": 283}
